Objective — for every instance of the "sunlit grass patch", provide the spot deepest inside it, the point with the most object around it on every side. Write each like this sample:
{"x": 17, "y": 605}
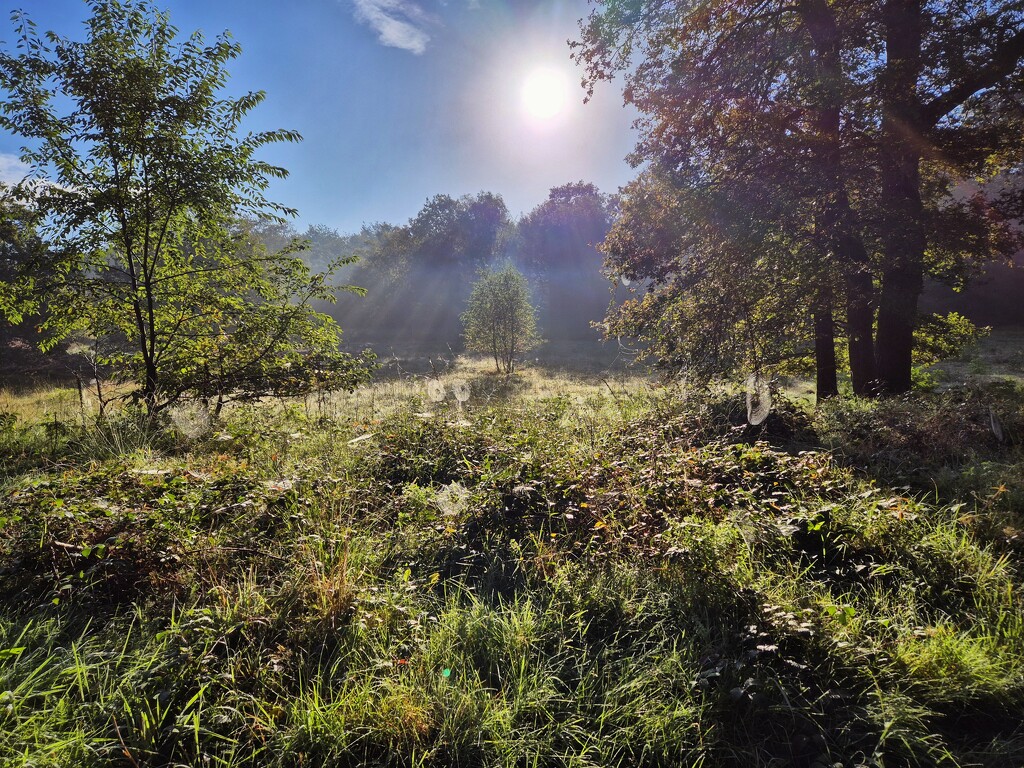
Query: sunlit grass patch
{"x": 947, "y": 665}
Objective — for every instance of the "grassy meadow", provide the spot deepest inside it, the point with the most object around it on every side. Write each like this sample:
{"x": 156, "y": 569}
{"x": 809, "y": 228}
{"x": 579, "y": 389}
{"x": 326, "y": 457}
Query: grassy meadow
{"x": 567, "y": 571}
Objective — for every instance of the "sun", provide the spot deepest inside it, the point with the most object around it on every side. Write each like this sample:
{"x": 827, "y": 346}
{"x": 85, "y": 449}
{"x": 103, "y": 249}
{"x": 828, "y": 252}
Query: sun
{"x": 545, "y": 94}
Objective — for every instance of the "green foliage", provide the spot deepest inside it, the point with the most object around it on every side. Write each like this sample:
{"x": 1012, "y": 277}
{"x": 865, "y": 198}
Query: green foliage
{"x": 556, "y": 248}
{"x": 848, "y": 150}
{"x": 500, "y": 320}
{"x": 723, "y": 295}
{"x": 139, "y": 178}
{"x": 257, "y": 333}
{"x": 421, "y": 271}
{"x": 940, "y": 337}
{"x": 563, "y": 230}
{"x": 20, "y": 249}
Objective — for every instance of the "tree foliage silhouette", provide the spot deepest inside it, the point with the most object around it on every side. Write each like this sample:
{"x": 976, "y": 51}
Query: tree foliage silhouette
{"x": 892, "y": 126}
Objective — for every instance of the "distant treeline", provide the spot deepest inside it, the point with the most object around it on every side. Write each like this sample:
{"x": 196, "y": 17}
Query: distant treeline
{"x": 995, "y": 297}
{"x": 418, "y": 275}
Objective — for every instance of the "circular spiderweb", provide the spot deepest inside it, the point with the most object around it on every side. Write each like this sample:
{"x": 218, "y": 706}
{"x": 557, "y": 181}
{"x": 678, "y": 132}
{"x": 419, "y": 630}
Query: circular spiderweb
{"x": 435, "y": 390}
{"x": 759, "y": 399}
{"x": 460, "y": 388}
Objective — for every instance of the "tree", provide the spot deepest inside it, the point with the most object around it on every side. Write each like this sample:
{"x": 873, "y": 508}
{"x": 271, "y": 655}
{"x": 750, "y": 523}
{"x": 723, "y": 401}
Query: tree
{"x": 557, "y": 248}
{"x": 456, "y": 232}
{"x": 562, "y": 231}
{"x": 139, "y": 174}
{"x": 869, "y": 116}
{"x": 250, "y": 330}
{"x": 951, "y": 70}
{"x": 733, "y": 120}
{"x": 21, "y": 250}
{"x": 500, "y": 320}
{"x": 722, "y": 297}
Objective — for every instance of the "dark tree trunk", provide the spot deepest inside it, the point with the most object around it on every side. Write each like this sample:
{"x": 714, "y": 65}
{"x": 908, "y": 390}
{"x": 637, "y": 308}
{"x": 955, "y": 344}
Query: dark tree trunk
{"x": 903, "y": 235}
{"x": 827, "y": 383}
{"x": 151, "y": 388}
{"x": 897, "y": 315}
{"x": 860, "y": 314}
{"x": 837, "y": 221}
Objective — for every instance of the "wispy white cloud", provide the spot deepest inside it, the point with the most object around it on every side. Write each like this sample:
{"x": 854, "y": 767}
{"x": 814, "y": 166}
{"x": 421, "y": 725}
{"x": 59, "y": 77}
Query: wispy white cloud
{"x": 12, "y": 170}
{"x": 398, "y": 23}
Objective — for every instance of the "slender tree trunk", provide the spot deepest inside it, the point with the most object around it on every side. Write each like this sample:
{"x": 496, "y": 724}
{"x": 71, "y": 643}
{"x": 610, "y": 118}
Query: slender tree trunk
{"x": 904, "y": 234}
{"x": 838, "y": 222}
{"x": 860, "y": 316}
{"x": 826, "y": 383}
{"x": 151, "y": 388}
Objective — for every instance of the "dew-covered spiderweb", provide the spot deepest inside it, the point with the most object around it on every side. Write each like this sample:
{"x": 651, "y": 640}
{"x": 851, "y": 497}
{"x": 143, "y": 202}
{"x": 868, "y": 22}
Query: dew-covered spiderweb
{"x": 759, "y": 399}
{"x": 435, "y": 391}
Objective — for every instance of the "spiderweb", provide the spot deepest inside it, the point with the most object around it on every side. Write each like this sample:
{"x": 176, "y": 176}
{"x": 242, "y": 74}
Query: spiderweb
{"x": 996, "y": 425}
{"x": 191, "y": 420}
{"x": 452, "y": 499}
{"x": 435, "y": 390}
{"x": 759, "y": 399}
{"x": 460, "y": 388}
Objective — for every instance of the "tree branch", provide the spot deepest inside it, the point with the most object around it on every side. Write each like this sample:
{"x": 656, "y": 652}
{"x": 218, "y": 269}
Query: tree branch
{"x": 1004, "y": 61}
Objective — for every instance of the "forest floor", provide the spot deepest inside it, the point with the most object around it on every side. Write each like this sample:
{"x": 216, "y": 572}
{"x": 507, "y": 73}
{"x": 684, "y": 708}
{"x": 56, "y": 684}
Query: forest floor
{"x": 572, "y": 569}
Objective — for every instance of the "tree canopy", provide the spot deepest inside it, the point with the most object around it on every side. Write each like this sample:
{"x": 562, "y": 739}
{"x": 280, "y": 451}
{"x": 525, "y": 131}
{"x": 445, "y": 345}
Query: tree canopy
{"x": 139, "y": 175}
{"x": 420, "y": 273}
{"x": 556, "y": 247}
{"x": 860, "y": 147}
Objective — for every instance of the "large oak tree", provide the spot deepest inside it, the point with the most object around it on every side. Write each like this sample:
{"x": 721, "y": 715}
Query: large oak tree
{"x": 847, "y": 113}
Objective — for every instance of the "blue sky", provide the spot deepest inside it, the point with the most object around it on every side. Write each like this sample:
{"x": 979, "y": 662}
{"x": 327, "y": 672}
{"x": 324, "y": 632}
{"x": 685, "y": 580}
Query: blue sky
{"x": 401, "y": 99}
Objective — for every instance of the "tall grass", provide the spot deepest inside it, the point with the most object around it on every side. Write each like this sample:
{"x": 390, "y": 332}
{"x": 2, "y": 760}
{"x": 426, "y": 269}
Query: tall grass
{"x": 602, "y": 576}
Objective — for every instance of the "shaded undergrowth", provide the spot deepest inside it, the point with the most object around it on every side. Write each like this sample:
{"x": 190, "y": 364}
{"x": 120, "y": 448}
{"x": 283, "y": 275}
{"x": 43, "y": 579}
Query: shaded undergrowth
{"x": 629, "y": 581}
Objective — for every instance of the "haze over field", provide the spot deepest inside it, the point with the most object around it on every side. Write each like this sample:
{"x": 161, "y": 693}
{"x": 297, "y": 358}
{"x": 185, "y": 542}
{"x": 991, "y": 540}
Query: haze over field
{"x": 796, "y": 185}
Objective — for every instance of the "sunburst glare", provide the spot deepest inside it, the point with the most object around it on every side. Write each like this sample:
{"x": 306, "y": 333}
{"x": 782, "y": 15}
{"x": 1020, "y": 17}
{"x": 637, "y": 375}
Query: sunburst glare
{"x": 545, "y": 94}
